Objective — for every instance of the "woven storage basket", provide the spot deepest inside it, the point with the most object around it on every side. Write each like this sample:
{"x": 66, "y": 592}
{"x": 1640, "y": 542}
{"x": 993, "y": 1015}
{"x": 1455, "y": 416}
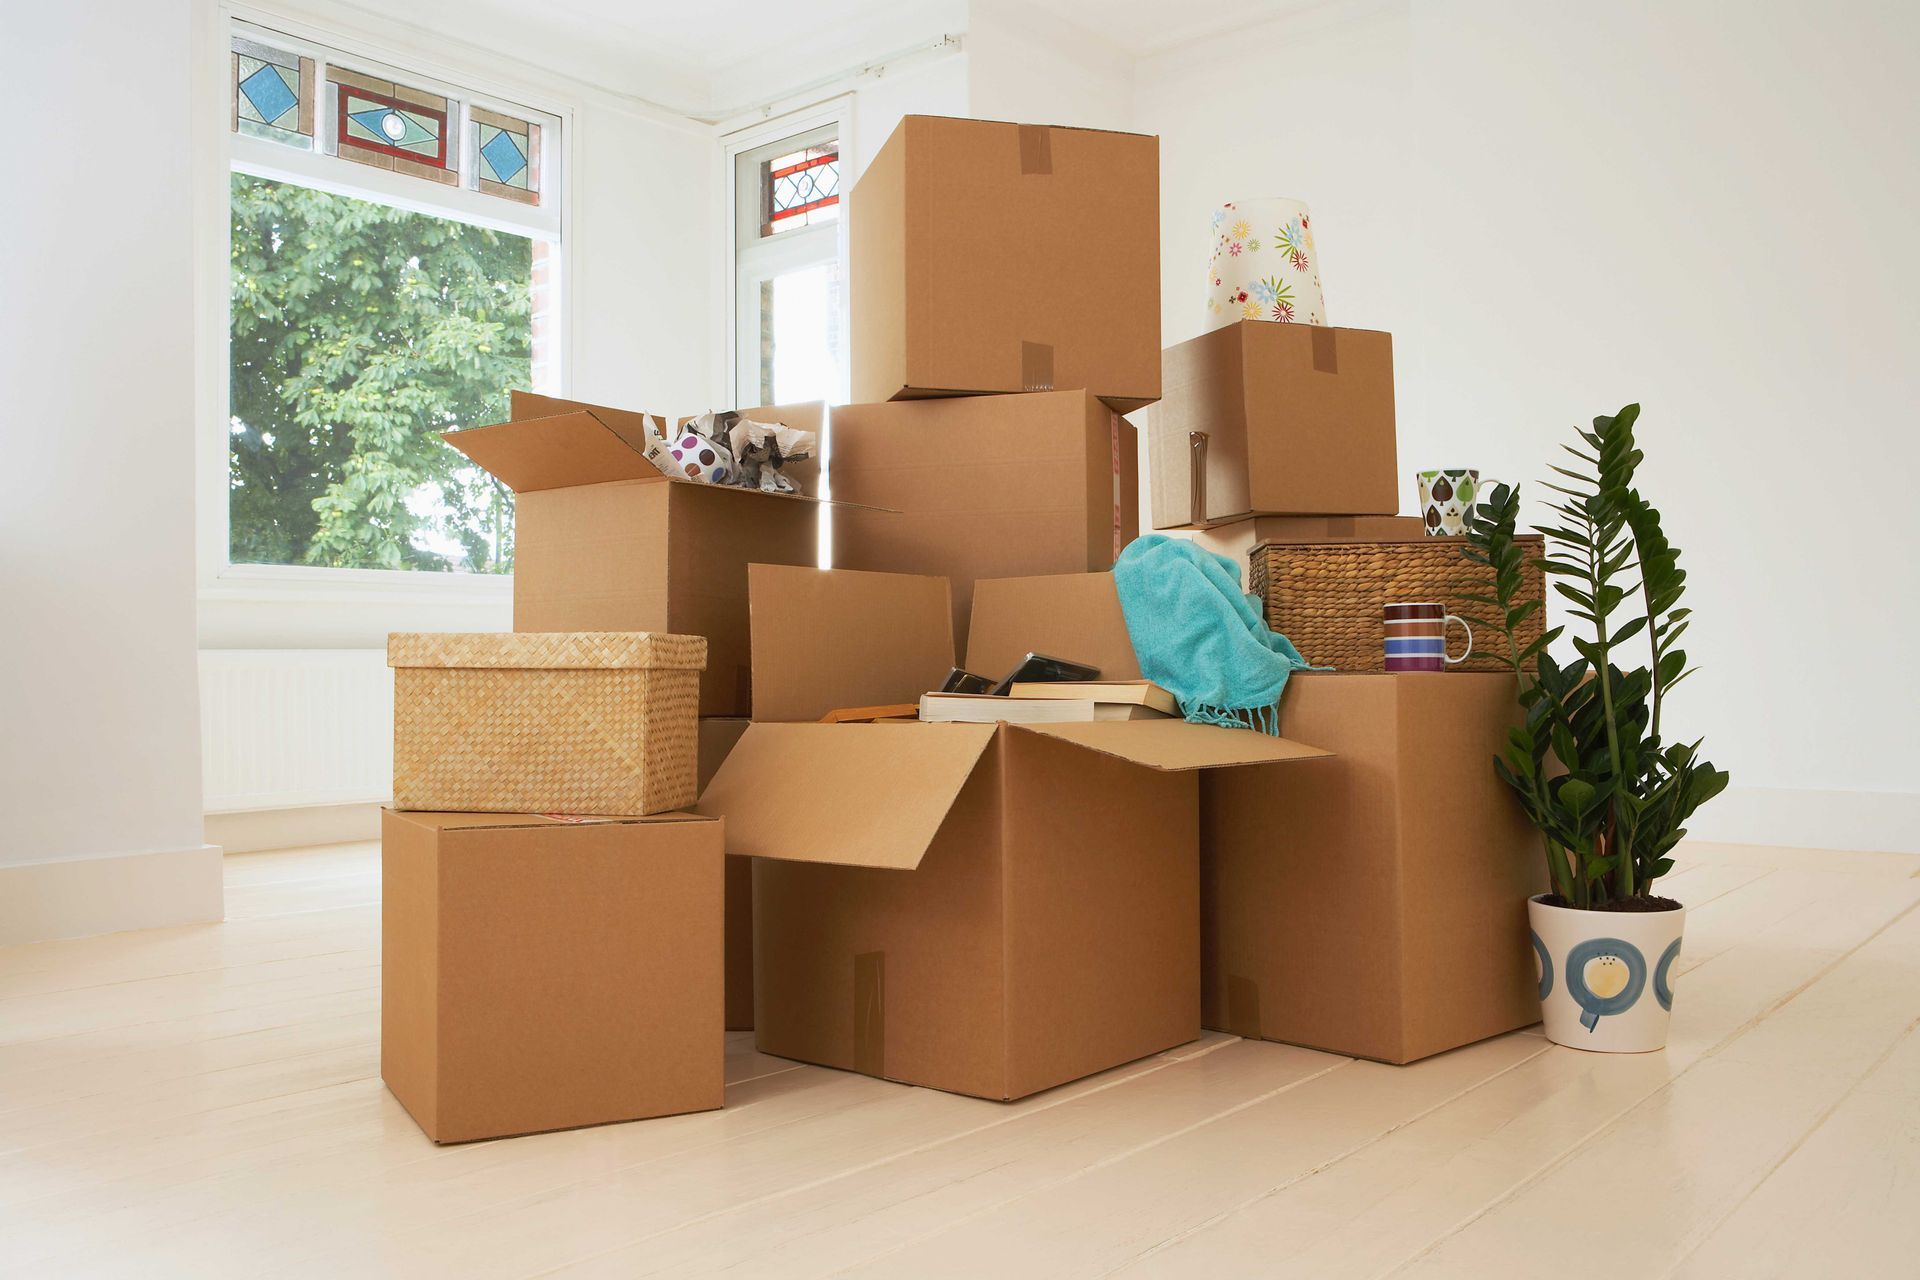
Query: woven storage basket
{"x": 1327, "y": 597}
{"x": 590, "y": 722}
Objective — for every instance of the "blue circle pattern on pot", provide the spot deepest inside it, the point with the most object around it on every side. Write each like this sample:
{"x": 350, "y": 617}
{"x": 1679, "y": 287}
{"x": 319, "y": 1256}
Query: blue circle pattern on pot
{"x": 1663, "y": 975}
{"x": 1610, "y": 951}
{"x": 1546, "y": 964}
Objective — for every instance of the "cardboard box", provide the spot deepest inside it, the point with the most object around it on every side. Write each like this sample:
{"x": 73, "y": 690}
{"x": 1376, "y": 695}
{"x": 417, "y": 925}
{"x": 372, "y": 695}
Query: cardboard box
{"x": 543, "y": 974}
{"x": 984, "y": 487}
{"x": 993, "y": 257}
{"x": 716, "y": 740}
{"x": 1373, "y": 904}
{"x": 1236, "y": 541}
{"x": 987, "y": 909}
{"x": 1274, "y": 419}
{"x": 603, "y": 541}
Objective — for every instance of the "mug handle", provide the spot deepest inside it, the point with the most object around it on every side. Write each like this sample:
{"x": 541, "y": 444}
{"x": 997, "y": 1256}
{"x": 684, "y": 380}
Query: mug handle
{"x": 1464, "y": 626}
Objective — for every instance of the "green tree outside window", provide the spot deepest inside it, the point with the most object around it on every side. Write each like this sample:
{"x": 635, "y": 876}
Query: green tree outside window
{"x": 360, "y": 332}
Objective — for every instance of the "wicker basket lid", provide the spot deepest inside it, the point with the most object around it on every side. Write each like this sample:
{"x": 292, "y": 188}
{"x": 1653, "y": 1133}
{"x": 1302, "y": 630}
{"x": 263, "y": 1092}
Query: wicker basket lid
{"x": 547, "y": 650}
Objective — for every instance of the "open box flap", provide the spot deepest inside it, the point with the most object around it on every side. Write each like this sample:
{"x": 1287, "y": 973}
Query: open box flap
{"x": 1075, "y": 616}
{"x": 1175, "y": 745}
{"x": 823, "y": 639}
{"x": 861, "y": 795}
{"x": 558, "y": 452}
{"x": 551, "y": 443}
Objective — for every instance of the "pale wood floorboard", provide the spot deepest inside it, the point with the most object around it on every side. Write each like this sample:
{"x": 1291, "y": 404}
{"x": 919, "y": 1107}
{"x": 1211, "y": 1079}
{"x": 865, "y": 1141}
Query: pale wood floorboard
{"x": 206, "y": 1101}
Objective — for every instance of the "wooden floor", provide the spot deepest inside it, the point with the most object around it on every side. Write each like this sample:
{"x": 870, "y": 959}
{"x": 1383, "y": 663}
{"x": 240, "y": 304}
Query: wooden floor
{"x": 206, "y": 1101}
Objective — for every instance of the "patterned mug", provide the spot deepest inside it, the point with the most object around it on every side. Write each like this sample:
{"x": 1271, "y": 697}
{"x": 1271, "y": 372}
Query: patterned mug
{"x": 1447, "y": 500}
{"x": 1417, "y": 637}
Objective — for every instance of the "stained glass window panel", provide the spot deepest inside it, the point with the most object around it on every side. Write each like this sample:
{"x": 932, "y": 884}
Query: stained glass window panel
{"x": 506, "y": 155}
{"x": 272, "y": 94}
{"x": 391, "y": 126}
{"x": 801, "y": 189}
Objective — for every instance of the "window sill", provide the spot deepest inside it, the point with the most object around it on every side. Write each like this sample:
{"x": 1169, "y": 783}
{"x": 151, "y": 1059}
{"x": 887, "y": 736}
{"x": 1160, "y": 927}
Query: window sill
{"x": 295, "y": 607}
{"x": 266, "y": 582}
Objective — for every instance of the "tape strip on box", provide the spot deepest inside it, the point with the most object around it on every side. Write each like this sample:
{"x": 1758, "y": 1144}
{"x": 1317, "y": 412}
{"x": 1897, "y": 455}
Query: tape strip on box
{"x": 1036, "y": 149}
{"x": 870, "y": 1013}
{"x": 1326, "y": 356}
{"x": 1036, "y": 366}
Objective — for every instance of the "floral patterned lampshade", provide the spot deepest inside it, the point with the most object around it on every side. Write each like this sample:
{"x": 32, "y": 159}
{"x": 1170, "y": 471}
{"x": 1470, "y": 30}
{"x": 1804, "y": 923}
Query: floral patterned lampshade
{"x": 1264, "y": 265}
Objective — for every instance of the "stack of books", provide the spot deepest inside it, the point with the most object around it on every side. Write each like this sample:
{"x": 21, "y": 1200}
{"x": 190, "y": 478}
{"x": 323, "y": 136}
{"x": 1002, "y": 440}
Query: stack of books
{"x": 1053, "y": 702}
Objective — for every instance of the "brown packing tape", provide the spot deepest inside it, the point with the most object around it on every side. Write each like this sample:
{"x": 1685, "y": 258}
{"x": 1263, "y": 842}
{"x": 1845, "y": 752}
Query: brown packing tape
{"x": 1196, "y": 475}
{"x": 1036, "y": 366}
{"x": 1243, "y": 1007}
{"x": 870, "y": 1013}
{"x": 1036, "y": 149}
{"x": 1326, "y": 356}
{"x": 1340, "y": 526}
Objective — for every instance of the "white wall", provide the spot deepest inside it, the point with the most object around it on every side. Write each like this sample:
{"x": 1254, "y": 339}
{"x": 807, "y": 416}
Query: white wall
{"x": 99, "y": 760}
{"x": 1559, "y": 209}
{"x": 1025, "y": 65}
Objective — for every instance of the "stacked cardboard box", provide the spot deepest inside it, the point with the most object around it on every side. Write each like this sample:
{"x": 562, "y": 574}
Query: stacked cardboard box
{"x": 1005, "y": 297}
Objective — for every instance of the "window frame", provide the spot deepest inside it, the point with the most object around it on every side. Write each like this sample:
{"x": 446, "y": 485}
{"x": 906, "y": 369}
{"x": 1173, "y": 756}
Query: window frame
{"x": 219, "y": 152}
{"x": 788, "y": 249}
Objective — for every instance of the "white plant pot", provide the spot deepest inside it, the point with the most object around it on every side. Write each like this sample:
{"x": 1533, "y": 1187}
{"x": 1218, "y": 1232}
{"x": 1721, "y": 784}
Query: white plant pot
{"x": 1606, "y": 977}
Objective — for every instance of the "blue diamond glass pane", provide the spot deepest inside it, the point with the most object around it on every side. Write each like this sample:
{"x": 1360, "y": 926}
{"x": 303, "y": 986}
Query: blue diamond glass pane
{"x": 268, "y": 94}
{"x": 503, "y": 155}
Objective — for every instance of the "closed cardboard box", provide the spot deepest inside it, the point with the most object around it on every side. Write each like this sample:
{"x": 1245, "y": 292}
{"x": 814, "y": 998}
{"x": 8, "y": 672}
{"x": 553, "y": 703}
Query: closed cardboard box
{"x": 1373, "y": 904}
{"x": 717, "y": 737}
{"x": 994, "y": 257}
{"x": 604, "y": 541}
{"x": 1274, "y": 419}
{"x": 984, "y": 487}
{"x": 1236, "y": 541}
{"x": 986, "y": 909}
{"x": 542, "y": 973}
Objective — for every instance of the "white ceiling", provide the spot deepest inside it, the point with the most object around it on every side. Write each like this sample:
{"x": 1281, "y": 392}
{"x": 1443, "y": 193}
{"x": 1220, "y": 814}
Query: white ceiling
{"x": 704, "y": 57}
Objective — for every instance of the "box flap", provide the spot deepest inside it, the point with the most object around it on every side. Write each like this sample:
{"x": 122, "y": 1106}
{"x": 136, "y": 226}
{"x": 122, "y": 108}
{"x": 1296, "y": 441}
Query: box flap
{"x": 1075, "y": 616}
{"x": 829, "y": 638}
{"x": 861, "y": 795}
{"x": 1175, "y": 745}
{"x": 567, "y": 449}
{"x": 494, "y": 821}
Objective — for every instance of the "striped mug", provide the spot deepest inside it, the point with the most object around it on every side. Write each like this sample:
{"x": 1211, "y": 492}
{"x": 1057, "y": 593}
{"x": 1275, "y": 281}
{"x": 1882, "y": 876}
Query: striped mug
{"x": 1417, "y": 637}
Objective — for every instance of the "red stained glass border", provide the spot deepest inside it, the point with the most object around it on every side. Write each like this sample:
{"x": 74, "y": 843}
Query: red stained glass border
{"x": 794, "y": 211}
{"x": 398, "y": 104}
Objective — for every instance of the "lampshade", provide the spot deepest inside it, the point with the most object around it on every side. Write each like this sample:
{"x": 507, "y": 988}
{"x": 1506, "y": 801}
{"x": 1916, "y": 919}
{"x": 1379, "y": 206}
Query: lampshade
{"x": 1264, "y": 266}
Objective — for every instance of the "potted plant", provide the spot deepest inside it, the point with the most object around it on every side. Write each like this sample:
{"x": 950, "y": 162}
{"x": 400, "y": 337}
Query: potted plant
{"x": 1608, "y": 792}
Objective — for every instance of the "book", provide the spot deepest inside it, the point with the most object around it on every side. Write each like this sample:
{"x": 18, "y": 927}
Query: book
{"x": 1140, "y": 693}
{"x": 987, "y": 708}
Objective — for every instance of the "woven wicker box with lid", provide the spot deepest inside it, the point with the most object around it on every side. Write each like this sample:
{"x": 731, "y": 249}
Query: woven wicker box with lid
{"x": 1328, "y": 597}
{"x": 578, "y": 722}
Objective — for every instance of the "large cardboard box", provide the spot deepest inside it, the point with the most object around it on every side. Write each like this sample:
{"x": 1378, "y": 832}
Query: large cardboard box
{"x": 1236, "y": 541}
{"x": 986, "y": 909}
{"x": 1274, "y": 419}
{"x": 604, "y": 541}
{"x": 717, "y": 737}
{"x": 992, "y": 257}
{"x": 1374, "y": 903}
{"x": 541, "y": 973}
{"x": 984, "y": 487}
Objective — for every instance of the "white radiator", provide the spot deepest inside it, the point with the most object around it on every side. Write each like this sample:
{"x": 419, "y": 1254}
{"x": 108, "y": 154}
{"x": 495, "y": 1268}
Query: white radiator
{"x": 291, "y": 728}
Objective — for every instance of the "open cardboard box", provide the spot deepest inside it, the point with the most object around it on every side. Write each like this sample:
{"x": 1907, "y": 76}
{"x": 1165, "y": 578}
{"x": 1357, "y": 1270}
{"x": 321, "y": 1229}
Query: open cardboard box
{"x": 987, "y": 909}
{"x": 1372, "y": 903}
{"x": 604, "y": 541}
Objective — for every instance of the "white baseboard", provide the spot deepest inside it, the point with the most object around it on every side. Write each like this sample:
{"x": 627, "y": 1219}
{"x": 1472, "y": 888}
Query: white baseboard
{"x": 78, "y": 897}
{"x": 1868, "y": 821}
{"x": 263, "y": 829}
